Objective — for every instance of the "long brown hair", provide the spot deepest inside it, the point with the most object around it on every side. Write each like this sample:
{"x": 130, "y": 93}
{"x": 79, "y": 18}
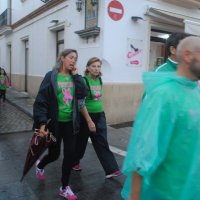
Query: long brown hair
{"x": 91, "y": 61}
{"x": 63, "y": 53}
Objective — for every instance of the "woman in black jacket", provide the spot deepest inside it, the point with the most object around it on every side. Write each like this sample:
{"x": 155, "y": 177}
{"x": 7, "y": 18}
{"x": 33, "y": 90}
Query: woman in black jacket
{"x": 59, "y": 98}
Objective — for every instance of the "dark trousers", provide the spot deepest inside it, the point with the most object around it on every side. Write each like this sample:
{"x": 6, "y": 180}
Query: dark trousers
{"x": 3, "y": 95}
{"x": 65, "y": 133}
{"x": 99, "y": 142}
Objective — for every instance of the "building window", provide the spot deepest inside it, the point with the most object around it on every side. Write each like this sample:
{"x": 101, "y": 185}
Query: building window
{"x": 59, "y": 41}
{"x": 91, "y": 14}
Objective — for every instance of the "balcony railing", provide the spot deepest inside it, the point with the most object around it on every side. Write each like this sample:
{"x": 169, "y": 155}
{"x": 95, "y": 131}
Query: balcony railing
{"x": 4, "y": 18}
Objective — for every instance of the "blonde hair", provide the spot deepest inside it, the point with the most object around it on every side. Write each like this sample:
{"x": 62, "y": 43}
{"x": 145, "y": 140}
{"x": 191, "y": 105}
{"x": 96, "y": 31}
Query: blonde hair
{"x": 63, "y": 53}
{"x": 91, "y": 61}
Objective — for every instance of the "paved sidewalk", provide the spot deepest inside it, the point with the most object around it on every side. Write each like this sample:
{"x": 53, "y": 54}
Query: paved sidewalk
{"x": 21, "y": 100}
{"x": 13, "y": 121}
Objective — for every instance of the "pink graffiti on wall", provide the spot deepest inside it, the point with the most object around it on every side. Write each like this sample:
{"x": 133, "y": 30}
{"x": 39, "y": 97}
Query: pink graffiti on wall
{"x": 131, "y": 54}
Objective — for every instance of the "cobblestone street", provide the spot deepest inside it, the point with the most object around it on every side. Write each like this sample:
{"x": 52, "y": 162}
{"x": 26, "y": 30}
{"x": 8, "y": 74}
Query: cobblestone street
{"x": 12, "y": 120}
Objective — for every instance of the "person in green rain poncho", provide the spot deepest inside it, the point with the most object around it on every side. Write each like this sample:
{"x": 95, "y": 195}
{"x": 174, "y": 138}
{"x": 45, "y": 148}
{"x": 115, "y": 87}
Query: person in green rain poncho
{"x": 163, "y": 156}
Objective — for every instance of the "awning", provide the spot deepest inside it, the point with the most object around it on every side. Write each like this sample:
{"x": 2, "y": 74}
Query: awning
{"x": 165, "y": 16}
{"x": 191, "y": 24}
{"x": 192, "y": 27}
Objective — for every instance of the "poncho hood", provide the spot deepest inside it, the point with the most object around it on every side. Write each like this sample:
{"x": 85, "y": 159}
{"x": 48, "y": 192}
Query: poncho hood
{"x": 153, "y": 80}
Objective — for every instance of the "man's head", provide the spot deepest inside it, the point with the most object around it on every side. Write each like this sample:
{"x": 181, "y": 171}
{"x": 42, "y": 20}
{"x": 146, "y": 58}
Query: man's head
{"x": 171, "y": 44}
{"x": 188, "y": 56}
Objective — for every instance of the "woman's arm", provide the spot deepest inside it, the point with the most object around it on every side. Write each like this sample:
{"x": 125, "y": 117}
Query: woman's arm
{"x": 88, "y": 119}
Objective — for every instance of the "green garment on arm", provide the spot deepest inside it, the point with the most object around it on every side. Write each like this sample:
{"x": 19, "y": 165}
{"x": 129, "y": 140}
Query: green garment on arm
{"x": 168, "y": 66}
{"x": 165, "y": 144}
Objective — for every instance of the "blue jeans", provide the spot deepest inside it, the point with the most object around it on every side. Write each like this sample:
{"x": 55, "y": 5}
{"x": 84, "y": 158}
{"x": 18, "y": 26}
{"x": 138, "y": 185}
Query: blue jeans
{"x": 99, "y": 142}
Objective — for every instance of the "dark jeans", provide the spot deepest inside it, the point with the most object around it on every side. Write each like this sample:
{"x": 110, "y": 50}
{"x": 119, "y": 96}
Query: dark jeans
{"x": 3, "y": 95}
{"x": 99, "y": 141}
{"x": 65, "y": 133}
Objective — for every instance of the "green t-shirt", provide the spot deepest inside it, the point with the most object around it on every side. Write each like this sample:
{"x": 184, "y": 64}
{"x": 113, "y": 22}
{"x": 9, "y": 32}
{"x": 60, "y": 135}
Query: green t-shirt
{"x": 65, "y": 93}
{"x": 93, "y": 102}
{"x": 2, "y": 82}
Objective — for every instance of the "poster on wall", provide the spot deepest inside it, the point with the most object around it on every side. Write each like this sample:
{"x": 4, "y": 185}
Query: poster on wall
{"x": 134, "y": 52}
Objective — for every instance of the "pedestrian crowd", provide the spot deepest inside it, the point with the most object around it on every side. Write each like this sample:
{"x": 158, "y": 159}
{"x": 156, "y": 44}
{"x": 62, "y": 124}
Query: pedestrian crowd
{"x": 162, "y": 161}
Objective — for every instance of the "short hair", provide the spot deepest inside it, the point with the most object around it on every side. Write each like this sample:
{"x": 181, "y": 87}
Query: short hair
{"x": 172, "y": 41}
{"x": 91, "y": 61}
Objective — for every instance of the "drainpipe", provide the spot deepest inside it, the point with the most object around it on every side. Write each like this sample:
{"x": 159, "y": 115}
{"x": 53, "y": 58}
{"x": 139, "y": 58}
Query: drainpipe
{"x": 9, "y": 3}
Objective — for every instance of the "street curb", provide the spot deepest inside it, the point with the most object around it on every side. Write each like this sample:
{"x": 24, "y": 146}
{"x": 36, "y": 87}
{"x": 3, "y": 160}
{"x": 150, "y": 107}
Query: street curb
{"x": 16, "y": 132}
{"x": 20, "y": 108}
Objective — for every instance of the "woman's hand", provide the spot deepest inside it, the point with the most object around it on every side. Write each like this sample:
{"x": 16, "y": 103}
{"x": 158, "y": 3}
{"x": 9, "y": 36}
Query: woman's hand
{"x": 91, "y": 126}
{"x": 42, "y": 132}
{"x": 74, "y": 70}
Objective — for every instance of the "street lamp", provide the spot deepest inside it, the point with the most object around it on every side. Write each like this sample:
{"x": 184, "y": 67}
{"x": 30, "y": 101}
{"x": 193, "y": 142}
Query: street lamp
{"x": 79, "y": 4}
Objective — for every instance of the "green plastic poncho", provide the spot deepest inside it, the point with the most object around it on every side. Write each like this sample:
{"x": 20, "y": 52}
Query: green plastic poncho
{"x": 165, "y": 144}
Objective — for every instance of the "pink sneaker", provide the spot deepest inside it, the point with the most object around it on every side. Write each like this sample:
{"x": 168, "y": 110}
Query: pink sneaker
{"x": 39, "y": 172}
{"x": 77, "y": 167}
{"x": 117, "y": 173}
{"x": 67, "y": 193}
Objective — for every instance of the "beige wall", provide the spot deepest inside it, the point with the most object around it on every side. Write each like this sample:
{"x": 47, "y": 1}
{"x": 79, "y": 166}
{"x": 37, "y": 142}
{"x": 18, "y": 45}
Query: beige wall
{"x": 18, "y": 82}
{"x": 121, "y": 101}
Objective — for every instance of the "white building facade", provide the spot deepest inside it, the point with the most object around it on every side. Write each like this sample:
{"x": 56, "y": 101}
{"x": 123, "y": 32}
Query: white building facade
{"x": 127, "y": 35}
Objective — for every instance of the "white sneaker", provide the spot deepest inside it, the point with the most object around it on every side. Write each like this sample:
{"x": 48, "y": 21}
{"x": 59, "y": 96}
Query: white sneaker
{"x": 67, "y": 193}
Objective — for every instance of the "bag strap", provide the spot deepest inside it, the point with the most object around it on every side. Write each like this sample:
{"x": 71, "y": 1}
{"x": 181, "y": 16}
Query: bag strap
{"x": 88, "y": 85}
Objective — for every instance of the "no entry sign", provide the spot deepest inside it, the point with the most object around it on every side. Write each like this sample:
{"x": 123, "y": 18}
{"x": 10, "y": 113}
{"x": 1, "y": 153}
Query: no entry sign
{"x": 115, "y": 10}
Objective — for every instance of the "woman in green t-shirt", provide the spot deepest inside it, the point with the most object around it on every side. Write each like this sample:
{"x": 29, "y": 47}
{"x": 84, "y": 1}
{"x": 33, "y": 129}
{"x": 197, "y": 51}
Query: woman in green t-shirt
{"x": 94, "y": 105}
{"x": 59, "y": 97}
{"x": 3, "y": 86}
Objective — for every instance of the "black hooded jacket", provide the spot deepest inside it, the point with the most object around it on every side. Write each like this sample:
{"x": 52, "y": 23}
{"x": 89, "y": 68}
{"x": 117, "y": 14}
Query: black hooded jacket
{"x": 46, "y": 104}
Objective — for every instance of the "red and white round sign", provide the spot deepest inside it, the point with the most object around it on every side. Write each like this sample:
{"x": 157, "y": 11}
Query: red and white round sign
{"x": 115, "y": 10}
